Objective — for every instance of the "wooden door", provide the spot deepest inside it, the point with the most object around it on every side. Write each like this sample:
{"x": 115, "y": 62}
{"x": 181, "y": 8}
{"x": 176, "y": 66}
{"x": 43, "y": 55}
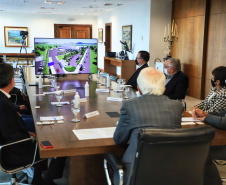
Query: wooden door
{"x": 73, "y": 31}
{"x": 82, "y": 32}
{"x": 108, "y": 33}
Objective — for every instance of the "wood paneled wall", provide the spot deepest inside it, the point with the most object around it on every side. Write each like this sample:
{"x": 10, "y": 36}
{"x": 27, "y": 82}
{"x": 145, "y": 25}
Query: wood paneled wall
{"x": 216, "y": 47}
{"x": 190, "y": 18}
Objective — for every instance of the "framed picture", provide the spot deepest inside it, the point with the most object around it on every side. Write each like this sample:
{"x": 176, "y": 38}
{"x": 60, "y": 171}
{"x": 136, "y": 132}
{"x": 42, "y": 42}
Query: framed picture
{"x": 127, "y": 36}
{"x": 100, "y": 35}
{"x": 13, "y": 38}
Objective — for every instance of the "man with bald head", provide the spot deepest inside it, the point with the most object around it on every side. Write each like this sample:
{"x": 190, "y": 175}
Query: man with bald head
{"x": 151, "y": 109}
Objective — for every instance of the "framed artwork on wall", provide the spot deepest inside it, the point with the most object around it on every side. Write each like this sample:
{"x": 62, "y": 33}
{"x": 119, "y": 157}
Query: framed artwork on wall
{"x": 100, "y": 35}
{"x": 127, "y": 36}
{"x": 12, "y": 36}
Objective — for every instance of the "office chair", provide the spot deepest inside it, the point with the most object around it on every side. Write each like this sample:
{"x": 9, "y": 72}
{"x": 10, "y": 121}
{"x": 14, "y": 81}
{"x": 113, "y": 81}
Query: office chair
{"x": 166, "y": 156}
{"x": 8, "y": 168}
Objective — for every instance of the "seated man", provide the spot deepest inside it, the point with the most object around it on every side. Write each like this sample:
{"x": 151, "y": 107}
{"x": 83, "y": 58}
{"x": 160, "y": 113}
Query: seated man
{"x": 151, "y": 109}
{"x": 12, "y": 129}
{"x": 176, "y": 81}
{"x": 216, "y": 152}
{"x": 141, "y": 60}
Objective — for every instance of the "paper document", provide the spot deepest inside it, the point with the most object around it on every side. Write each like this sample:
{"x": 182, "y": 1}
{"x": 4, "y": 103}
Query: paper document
{"x": 95, "y": 133}
{"x": 188, "y": 123}
{"x": 191, "y": 119}
{"x": 102, "y": 90}
{"x": 51, "y": 118}
{"x": 70, "y": 91}
{"x": 114, "y": 99}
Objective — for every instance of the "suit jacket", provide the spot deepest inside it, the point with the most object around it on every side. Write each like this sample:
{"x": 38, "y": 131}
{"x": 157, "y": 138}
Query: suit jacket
{"x": 133, "y": 80}
{"x": 144, "y": 111}
{"x": 12, "y": 129}
{"x": 217, "y": 119}
{"x": 177, "y": 87}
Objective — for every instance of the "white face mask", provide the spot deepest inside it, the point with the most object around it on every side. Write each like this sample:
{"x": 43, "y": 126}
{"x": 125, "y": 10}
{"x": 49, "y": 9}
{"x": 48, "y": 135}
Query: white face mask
{"x": 165, "y": 71}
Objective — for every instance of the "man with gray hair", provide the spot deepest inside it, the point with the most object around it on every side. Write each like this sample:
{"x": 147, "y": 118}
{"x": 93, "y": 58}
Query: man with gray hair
{"x": 176, "y": 81}
{"x": 151, "y": 109}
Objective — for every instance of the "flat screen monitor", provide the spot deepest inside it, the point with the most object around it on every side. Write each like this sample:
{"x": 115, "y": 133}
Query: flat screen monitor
{"x": 65, "y": 56}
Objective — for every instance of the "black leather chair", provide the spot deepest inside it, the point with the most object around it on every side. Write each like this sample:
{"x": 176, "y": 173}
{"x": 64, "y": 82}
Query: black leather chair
{"x": 166, "y": 157}
{"x": 5, "y": 161}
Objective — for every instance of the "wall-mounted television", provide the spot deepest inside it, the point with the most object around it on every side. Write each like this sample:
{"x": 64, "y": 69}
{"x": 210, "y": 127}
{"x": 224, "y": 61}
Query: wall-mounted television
{"x": 65, "y": 56}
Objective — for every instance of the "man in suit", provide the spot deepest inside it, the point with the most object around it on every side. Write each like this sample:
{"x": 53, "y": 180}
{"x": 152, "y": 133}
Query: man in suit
{"x": 176, "y": 81}
{"x": 151, "y": 109}
{"x": 216, "y": 152}
{"x": 12, "y": 129}
{"x": 141, "y": 60}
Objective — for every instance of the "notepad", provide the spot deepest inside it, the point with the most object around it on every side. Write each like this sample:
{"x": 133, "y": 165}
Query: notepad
{"x": 95, "y": 133}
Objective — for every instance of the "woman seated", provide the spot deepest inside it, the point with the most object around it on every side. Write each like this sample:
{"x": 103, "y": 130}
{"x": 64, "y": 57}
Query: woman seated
{"x": 216, "y": 99}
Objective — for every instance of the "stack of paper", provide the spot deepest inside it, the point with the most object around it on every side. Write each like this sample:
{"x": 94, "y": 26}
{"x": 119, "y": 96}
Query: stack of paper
{"x": 95, "y": 133}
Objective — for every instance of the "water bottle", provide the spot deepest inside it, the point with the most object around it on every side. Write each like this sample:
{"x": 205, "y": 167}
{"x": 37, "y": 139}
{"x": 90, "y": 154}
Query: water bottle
{"x": 86, "y": 89}
{"x": 40, "y": 82}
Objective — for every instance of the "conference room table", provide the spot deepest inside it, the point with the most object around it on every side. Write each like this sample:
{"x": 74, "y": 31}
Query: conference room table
{"x": 86, "y": 156}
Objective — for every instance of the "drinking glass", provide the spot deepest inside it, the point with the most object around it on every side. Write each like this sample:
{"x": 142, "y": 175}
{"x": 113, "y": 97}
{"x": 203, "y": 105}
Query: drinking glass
{"x": 56, "y": 85}
{"x": 75, "y": 108}
{"x": 125, "y": 92}
{"x": 59, "y": 95}
{"x": 98, "y": 78}
{"x": 123, "y": 81}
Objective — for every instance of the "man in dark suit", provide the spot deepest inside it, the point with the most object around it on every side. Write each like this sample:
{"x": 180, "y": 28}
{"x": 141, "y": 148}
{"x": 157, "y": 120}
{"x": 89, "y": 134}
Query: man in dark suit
{"x": 12, "y": 129}
{"x": 141, "y": 60}
{"x": 176, "y": 81}
{"x": 216, "y": 119}
{"x": 151, "y": 109}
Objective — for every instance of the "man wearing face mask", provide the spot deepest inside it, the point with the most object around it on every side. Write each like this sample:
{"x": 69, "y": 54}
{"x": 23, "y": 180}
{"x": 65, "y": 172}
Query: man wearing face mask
{"x": 215, "y": 101}
{"x": 141, "y": 60}
{"x": 176, "y": 81}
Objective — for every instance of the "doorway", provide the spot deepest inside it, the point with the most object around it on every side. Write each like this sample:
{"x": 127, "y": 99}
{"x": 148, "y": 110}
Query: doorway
{"x": 108, "y": 34}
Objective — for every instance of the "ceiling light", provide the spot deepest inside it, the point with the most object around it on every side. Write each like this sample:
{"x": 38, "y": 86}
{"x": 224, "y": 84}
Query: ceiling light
{"x": 60, "y": 2}
{"x": 38, "y": 12}
{"x": 49, "y": 2}
{"x": 48, "y": 13}
{"x": 52, "y": 8}
{"x": 43, "y": 8}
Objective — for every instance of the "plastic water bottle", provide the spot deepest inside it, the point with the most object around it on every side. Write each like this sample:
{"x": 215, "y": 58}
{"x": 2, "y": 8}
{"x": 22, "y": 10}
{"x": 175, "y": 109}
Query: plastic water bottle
{"x": 77, "y": 99}
{"x": 86, "y": 89}
{"x": 108, "y": 80}
{"x": 40, "y": 82}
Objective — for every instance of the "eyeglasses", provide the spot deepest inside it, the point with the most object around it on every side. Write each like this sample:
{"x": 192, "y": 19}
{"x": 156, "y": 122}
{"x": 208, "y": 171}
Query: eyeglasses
{"x": 138, "y": 58}
{"x": 168, "y": 66}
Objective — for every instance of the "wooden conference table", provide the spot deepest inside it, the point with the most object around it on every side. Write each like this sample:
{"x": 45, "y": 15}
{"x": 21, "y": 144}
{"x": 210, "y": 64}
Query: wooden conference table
{"x": 86, "y": 156}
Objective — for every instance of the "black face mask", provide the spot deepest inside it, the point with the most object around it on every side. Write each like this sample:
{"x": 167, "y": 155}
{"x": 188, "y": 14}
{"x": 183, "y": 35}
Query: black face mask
{"x": 213, "y": 84}
{"x": 136, "y": 62}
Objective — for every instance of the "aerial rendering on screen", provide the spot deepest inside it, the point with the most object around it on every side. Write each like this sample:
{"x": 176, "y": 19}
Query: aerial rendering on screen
{"x": 65, "y": 56}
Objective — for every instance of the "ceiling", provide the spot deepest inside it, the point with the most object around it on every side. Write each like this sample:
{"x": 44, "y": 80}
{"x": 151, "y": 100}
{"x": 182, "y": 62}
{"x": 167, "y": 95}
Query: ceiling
{"x": 69, "y": 7}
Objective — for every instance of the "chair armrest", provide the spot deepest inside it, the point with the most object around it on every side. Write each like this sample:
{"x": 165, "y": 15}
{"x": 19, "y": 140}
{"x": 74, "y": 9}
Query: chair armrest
{"x": 114, "y": 161}
{"x": 15, "y": 170}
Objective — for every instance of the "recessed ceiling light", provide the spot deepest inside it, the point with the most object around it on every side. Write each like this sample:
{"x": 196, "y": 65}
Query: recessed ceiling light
{"x": 49, "y": 2}
{"x": 60, "y": 2}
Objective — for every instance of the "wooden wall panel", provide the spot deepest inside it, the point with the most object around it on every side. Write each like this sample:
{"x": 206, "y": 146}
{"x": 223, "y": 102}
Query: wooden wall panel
{"x": 189, "y": 49}
{"x": 216, "y": 47}
{"x": 217, "y": 6}
{"x": 188, "y": 8}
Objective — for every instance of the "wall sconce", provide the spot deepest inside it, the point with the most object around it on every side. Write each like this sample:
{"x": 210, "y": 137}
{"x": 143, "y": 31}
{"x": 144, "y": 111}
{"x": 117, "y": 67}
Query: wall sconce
{"x": 170, "y": 38}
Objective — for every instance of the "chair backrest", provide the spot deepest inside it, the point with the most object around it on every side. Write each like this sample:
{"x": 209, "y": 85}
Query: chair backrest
{"x": 17, "y": 156}
{"x": 172, "y": 156}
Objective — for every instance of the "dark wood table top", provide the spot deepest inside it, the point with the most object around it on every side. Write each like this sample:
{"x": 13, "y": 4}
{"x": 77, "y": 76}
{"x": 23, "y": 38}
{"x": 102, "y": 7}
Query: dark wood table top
{"x": 60, "y": 134}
